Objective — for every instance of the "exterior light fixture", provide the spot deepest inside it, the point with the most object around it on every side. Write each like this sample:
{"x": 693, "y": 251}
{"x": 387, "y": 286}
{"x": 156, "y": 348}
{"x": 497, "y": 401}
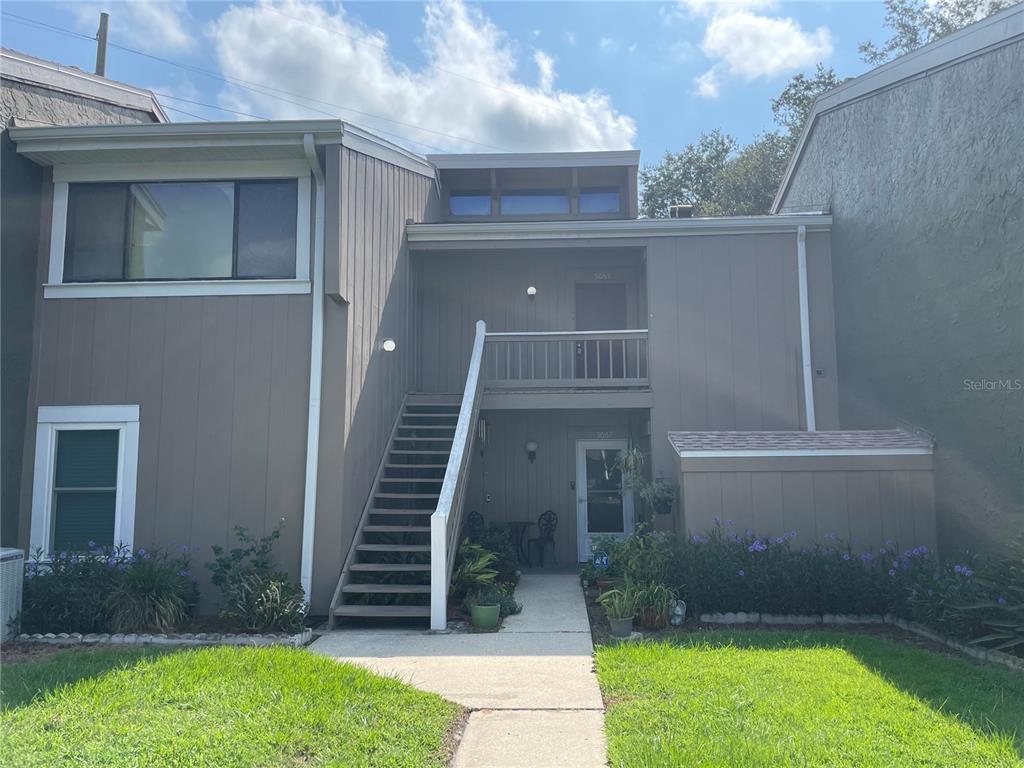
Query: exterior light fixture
{"x": 531, "y": 450}
{"x": 531, "y": 292}
{"x": 388, "y": 345}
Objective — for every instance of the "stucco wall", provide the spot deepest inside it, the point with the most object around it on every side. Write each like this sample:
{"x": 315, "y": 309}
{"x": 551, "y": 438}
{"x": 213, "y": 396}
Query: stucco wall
{"x": 20, "y": 187}
{"x": 926, "y": 188}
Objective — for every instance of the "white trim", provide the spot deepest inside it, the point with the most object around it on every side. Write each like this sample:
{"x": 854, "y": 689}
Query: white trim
{"x": 978, "y": 38}
{"x": 155, "y": 288}
{"x": 715, "y": 454}
{"x": 220, "y": 170}
{"x": 54, "y": 419}
{"x": 56, "y": 288}
{"x": 585, "y": 230}
{"x": 58, "y": 231}
{"x": 316, "y": 358}
{"x": 629, "y": 157}
{"x": 805, "y": 327}
{"x": 583, "y": 536}
{"x": 366, "y": 143}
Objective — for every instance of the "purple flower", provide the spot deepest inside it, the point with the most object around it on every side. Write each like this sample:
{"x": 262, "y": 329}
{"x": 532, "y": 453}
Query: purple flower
{"x": 184, "y": 549}
{"x": 111, "y": 562}
{"x": 867, "y": 557}
{"x": 757, "y": 546}
{"x": 92, "y": 544}
{"x": 1001, "y": 600}
{"x": 730, "y": 523}
{"x": 741, "y": 572}
{"x": 141, "y": 552}
{"x": 892, "y": 572}
{"x": 895, "y": 564}
{"x": 185, "y": 573}
{"x": 883, "y": 551}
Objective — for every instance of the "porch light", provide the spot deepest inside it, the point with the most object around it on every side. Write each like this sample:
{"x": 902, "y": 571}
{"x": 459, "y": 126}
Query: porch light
{"x": 388, "y": 345}
{"x": 531, "y": 292}
{"x": 531, "y": 450}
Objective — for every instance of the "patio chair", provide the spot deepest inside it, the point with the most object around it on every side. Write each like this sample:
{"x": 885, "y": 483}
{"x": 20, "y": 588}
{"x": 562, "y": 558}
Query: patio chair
{"x": 546, "y": 524}
{"x": 475, "y": 526}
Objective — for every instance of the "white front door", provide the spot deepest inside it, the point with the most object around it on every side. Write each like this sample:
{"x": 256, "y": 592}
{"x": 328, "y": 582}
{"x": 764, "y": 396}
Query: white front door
{"x": 603, "y": 506}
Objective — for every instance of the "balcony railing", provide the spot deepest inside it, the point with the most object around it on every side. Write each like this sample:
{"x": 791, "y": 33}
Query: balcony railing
{"x": 566, "y": 360}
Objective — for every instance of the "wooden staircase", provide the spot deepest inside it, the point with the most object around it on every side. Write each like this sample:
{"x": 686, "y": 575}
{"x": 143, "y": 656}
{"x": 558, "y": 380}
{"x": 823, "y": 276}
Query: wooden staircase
{"x": 387, "y": 571}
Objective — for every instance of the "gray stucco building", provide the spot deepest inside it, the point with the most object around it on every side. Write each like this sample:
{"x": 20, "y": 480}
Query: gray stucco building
{"x": 921, "y": 164}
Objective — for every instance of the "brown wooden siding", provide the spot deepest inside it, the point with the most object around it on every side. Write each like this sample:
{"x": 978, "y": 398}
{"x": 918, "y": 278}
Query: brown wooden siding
{"x": 863, "y": 507}
{"x": 523, "y": 491}
{"x": 221, "y": 383}
{"x": 461, "y": 287}
{"x": 372, "y": 288}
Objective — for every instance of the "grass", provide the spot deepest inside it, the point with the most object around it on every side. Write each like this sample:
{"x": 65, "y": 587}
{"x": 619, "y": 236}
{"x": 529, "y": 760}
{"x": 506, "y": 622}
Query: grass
{"x": 219, "y": 706}
{"x": 806, "y": 699}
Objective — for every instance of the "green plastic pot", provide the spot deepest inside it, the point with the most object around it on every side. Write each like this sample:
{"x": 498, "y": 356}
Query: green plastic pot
{"x": 484, "y": 616}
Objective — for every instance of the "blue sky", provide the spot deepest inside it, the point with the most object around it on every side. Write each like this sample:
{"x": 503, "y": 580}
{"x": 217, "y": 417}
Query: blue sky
{"x": 458, "y": 76}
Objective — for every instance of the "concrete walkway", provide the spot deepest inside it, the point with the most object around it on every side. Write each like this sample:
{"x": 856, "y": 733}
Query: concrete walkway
{"x": 531, "y": 687}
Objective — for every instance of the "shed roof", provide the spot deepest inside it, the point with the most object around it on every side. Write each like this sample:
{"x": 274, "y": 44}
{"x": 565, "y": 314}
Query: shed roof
{"x": 880, "y": 442}
{"x": 630, "y": 157}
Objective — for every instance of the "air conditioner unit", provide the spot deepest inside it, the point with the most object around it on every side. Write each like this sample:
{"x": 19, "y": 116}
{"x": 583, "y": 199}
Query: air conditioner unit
{"x": 12, "y": 573}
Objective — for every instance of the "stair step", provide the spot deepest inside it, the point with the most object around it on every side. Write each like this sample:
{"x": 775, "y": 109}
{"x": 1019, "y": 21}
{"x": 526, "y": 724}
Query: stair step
{"x": 434, "y": 480}
{"x": 445, "y": 427}
{"x": 410, "y": 438}
{"x": 407, "y": 495}
{"x": 382, "y": 610}
{"x": 390, "y": 567}
{"x": 393, "y": 547}
{"x": 396, "y": 529}
{"x": 415, "y": 466}
{"x": 406, "y": 451}
{"x": 434, "y": 415}
{"x": 388, "y": 589}
{"x": 380, "y": 511}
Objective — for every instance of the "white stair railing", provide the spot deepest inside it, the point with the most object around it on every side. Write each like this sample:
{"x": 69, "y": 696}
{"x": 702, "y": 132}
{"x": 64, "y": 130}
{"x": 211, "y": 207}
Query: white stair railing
{"x": 446, "y": 522}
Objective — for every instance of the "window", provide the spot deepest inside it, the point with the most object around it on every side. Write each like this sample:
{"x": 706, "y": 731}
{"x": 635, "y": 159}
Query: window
{"x": 470, "y": 204}
{"x": 599, "y": 201}
{"x": 534, "y": 203}
{"x": 181, "y": 230}
{"x": 84, "y": 483}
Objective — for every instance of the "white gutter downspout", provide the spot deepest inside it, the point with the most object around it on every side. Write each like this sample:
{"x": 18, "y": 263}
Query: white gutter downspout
{"x": 805, "y": 326}
{"x": 316, "y": 364}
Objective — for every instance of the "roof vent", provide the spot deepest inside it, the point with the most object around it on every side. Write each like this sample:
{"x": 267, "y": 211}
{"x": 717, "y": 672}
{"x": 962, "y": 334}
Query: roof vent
{"x": 681, "y": 211}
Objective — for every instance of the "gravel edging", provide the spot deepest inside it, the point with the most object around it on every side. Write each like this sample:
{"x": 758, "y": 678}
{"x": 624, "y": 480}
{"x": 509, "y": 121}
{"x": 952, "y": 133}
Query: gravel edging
{"x": 185, "y": 640}
{"x": 829, "y": 619}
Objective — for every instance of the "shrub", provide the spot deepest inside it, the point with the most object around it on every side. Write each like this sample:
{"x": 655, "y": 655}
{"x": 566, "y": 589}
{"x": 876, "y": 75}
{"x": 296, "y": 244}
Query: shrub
{"x": 474, "y": 568}
{"x": 254, "y": 593}
{"x": 107, "y": 589}
{"x": 497, "y": 539}
{"x": 495, "y": 594}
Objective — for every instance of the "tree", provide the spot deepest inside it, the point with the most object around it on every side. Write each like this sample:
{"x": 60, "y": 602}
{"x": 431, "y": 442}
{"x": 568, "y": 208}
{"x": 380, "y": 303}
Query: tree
{"x": 687, "y": 177}
{"x": 749, "y": 181}
{"x": 793, "y": 105}
{"x": 919, "y": 22}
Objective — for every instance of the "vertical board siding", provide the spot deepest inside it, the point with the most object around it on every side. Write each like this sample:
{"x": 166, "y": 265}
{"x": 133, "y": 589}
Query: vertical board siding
{"x": 364, "y": 386}
{"x": 221, "y": 382}
{"x": 864, "y": 508}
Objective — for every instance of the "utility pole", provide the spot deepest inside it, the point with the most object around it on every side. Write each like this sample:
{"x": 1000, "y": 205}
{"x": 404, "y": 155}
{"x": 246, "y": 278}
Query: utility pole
{"x": 101, "y": 45}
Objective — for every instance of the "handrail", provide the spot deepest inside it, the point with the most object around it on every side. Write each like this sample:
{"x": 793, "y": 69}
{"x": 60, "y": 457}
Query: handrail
{"x": 630, "y": 332}
{"x": 446, "y": 521}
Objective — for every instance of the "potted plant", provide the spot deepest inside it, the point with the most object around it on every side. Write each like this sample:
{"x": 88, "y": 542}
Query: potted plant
{"x": 654, "y": 601}
{"x": 474, "y": 569}
{"x": 658, "y": 495}
{"x": 620, "y": 605}
{"x": 485, "y": 607}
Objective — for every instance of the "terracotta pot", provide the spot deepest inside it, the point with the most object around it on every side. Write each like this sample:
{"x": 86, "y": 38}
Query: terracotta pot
{"x": 653, "y": 619}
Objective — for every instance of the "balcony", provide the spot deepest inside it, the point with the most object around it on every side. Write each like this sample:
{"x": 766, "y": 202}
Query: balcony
{"x": 565, "y": 365}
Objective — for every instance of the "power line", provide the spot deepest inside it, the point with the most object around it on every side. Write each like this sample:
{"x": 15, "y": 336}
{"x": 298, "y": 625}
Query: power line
{"x": 190, "y": 114}
{"x": 258, "y": 88}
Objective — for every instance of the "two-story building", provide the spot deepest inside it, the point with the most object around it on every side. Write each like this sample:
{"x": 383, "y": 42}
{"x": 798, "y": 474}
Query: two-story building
{"x": 244, "y": 322}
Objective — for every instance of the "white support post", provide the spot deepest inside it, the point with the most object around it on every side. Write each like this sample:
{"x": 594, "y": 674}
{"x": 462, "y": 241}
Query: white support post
{"x": 805, "y": 327}
{"x": 438, "y": 573}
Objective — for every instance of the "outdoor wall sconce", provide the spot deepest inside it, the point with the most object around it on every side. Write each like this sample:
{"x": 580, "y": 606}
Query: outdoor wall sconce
{"x": 388, "y": 345}
{"x": 531, "y": 450}
{"x": 531, "y": 293}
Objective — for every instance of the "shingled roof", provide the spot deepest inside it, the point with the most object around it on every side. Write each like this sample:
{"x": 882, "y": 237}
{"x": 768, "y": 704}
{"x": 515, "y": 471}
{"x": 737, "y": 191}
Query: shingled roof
{"x": 831, "y": 443}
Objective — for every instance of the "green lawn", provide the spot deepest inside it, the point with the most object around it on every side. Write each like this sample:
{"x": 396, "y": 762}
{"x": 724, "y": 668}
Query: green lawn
{"x": 215, "y": 707}
{"x": 806, "y": 699}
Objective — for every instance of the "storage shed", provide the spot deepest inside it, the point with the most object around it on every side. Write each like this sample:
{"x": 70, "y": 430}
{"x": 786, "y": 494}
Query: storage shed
{"x": 865, "y": 487}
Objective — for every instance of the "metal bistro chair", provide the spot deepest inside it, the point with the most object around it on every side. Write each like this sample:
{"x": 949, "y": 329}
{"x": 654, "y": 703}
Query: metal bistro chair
{"x": 475, "y": 526}
{"x": 546, "y": 523}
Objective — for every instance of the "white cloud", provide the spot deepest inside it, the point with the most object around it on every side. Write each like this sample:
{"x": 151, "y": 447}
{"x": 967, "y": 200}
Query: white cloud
{"x": 608, "y": 45}
{"x": 744, "y": 44}
{"x": 570, "y": 38}
{"x": 152, "y": 25}
{"x": 467, "y": 88}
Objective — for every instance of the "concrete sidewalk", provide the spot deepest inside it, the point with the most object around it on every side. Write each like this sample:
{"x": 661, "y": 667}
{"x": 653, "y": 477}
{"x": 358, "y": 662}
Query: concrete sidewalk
{"x": 531, "y": 687}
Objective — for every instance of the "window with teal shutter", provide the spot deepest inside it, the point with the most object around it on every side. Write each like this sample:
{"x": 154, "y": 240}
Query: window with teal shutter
{"x": 84, "y": 488}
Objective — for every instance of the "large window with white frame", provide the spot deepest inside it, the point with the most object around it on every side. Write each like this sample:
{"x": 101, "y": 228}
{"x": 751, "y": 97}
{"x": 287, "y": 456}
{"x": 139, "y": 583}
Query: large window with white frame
{"x": 85, "y": 471}
{"x": 184, "y": 229}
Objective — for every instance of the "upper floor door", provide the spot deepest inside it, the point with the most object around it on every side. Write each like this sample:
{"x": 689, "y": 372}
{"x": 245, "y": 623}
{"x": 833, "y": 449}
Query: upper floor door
{"x": 600, "y": 307}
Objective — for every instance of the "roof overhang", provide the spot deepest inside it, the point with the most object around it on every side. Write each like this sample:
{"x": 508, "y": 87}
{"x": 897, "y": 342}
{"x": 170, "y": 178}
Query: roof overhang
{"x": 630, "y": 157}
{"x": 630, "y": 229}
{"x": 56, "y": 77}
{"x": 208, "y": 141}
{"x": 993, "y": 32}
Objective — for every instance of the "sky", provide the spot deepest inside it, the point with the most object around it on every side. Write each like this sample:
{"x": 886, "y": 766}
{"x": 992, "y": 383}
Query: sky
{"x": 456, "y": 76}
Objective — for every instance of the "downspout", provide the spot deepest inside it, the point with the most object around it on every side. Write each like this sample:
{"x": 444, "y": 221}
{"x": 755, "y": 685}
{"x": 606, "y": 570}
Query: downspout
{"x": 805, "y": 326}
{"x": 316, "y": 364}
